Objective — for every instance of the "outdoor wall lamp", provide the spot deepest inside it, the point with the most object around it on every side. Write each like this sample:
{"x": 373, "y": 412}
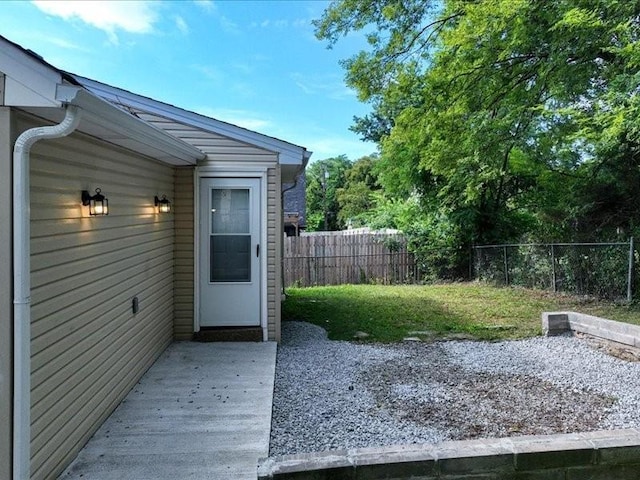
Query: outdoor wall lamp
{"x": 163, "y": 204}
{"x": 98, "y": 204}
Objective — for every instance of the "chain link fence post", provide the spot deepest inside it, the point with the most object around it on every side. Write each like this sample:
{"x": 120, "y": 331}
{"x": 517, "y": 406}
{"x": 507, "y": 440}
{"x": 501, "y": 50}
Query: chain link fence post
{"x": 630, "y": 272}
{"x": 506, "y": 266}
{"x": 553, "y": 269}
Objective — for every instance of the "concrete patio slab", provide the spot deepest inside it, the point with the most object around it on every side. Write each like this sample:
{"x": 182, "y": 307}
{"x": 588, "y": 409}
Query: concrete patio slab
{"x": 202, "y": 411}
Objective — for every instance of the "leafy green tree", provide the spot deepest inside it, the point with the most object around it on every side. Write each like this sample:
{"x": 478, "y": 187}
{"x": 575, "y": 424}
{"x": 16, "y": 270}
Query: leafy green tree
{"x": 324, "y": 178}
{"x": 500, "y": 114}
{"x": 357, "y": 198}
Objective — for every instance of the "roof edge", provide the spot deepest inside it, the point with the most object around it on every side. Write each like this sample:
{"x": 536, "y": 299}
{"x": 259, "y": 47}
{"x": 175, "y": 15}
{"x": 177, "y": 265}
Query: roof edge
{"x": 31, "y": 82}
{"x": 292, "y": 153}
{"x": 112, "y": 117}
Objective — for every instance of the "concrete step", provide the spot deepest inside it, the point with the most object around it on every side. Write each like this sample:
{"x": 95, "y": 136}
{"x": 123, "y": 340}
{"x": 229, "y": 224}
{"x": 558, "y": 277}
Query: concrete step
{"x": 227, "y": 334}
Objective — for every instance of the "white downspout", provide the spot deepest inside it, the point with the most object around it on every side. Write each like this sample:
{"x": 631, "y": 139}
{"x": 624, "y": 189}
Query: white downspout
{"x": 22, "y": 287}
{"x": 296, "y": 177}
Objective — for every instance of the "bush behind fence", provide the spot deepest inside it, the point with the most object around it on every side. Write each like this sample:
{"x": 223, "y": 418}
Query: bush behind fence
{"x": 603, "y": 270}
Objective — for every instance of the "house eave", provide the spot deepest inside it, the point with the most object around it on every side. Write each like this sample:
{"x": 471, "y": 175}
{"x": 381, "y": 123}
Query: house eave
{"x": 29, "y": 81}
{"x": 116, "y": 126}
{"x": 105, "y": 121}
{"x": 288, "y": 153}
{"x": 32, "y": 85}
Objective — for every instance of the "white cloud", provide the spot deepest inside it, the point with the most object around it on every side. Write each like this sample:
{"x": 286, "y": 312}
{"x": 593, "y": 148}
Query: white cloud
{"x": 244, "y": 90}
{"x": 282, "y": 23}
{"x": 206, "y": 5}
{"x": 241, "y": 118}
{"x": 181, "y": 24}
{"x": 327, "y": 147}
{"x": 301, "y": 23}
{"x": 317, "y": 140}
{"x": 258, "y": 57}
{"x": 209, "y": 72}
{"x": 330, "y": 86}
{"x": 62, "y": 43}
{"x": 226, "y": 23}
{"x": 109, "y": 16}
{"x": 244, "y": 68}
{"x": 323, "y": 143}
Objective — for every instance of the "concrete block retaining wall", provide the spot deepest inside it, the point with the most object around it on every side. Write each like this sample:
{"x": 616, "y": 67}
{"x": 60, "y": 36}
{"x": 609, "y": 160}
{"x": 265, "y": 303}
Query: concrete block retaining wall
{"x": 603, "y": 455}
{"x": 557, "y": 323}
{"x": 613, "y": 454}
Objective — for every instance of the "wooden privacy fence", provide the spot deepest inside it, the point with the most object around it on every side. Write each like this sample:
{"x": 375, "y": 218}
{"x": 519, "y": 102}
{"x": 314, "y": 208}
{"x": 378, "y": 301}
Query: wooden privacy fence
{"x": 336, "y": 258}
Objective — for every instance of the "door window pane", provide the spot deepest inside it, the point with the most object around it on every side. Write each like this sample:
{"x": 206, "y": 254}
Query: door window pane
{"x": 230, "y": 258}
{"x": 230, "y": 236}
{"x": 230, "y": 210}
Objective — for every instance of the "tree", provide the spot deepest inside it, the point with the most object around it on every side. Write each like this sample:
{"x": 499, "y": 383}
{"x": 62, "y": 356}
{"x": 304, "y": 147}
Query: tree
{"x": 324, "y": 178}
{"x": 485, "y": 107}
{"x": 357, "y": 198}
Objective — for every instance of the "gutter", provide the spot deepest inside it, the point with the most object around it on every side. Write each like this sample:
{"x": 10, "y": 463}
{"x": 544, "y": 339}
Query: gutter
{"x": 22, "y": 286}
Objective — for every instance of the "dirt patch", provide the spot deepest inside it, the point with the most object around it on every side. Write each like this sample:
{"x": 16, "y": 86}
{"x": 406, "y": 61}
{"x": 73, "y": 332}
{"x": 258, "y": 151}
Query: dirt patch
{"x": 615, "y": 349}
{"x": 480, "y": 404}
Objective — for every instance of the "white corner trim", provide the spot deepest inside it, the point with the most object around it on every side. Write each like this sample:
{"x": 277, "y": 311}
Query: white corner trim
{"x": 264, "y": 264}
{"x": 196, "y": 251}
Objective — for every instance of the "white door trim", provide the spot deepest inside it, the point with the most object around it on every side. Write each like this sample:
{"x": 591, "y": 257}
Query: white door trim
{"x": 259, "y": 172}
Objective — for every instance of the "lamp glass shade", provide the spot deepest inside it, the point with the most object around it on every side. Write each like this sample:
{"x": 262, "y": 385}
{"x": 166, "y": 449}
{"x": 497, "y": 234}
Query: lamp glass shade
{"x": 163, "y": 204}
{"x": 99, "y": 206}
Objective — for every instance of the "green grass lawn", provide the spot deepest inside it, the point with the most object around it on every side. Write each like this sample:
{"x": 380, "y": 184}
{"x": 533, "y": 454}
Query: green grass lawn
{"x": 390, "y": 313}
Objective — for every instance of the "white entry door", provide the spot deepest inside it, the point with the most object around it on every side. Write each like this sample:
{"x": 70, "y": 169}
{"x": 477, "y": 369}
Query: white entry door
{"x": 230, "y": 252}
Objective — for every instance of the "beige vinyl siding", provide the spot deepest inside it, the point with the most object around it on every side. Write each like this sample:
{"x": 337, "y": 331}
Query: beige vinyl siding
{"x": 88, "y": 348}
{"x": 184, "y": 262}
{"x": 220, "y": 149}
{"x": 274, "y": 235}
{"x": 6, "y": 292}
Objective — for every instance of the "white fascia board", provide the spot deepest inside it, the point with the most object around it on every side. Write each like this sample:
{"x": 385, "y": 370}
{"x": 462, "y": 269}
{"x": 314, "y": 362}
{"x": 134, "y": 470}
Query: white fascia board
{"x": 29, "y": 82}
{"x": 288, "y": 152}
{"x": 120, "y": 127}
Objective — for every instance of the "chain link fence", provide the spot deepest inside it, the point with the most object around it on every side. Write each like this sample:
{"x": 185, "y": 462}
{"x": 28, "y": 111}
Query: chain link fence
{"x": 603, "y": 270}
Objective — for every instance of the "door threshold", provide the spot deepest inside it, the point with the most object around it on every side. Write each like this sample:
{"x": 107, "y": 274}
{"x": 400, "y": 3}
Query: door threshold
{"x": 228, "y": 334}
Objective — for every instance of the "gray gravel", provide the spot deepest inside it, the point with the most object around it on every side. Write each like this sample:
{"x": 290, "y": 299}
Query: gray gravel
{"x": 330, "y": 395}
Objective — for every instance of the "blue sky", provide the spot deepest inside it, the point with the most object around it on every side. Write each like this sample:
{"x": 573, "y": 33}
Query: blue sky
{"x": 256, "y": 64}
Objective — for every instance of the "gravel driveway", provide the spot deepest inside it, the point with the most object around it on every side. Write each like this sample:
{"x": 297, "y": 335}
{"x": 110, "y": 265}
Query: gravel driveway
{"x": 331, "y": 395}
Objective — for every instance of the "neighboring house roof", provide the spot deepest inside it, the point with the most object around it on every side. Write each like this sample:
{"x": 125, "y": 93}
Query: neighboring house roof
{"x": 292, "y": 158}
{"x": 294, "y": 200}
